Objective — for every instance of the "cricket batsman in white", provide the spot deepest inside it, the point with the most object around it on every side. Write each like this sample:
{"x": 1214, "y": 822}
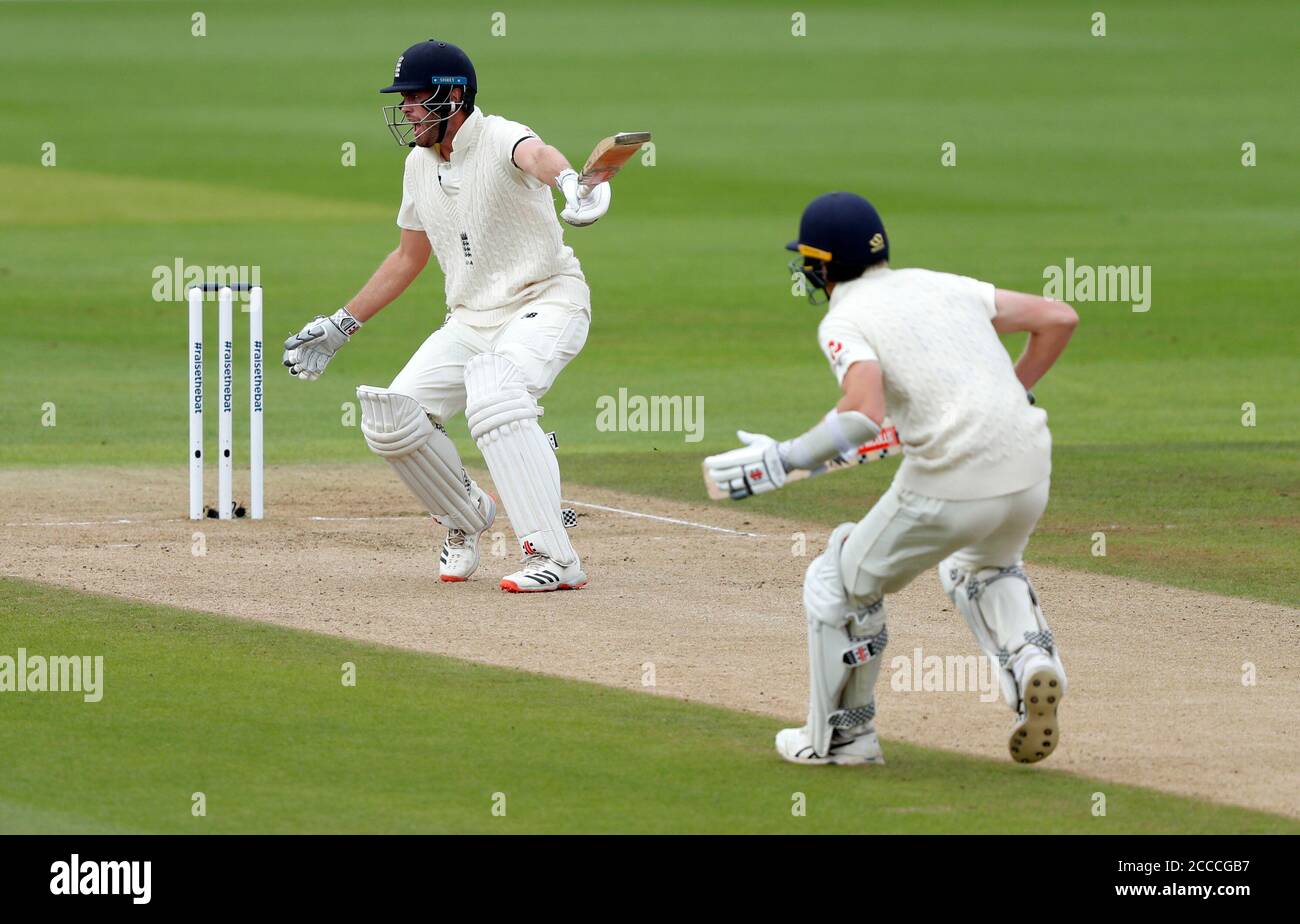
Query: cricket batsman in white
{"x": 477, "y": 195}
{"x": 923, "y": 347}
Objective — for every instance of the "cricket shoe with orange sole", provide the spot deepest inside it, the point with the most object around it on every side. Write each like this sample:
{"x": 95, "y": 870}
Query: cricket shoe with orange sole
{"x": 460, "y": 550}
{"x": 540, "y": 574}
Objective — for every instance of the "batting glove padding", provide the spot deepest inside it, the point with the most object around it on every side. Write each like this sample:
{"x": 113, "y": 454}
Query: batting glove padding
{"x": 756, "y": 468}
{"x": 308, "y": 352}
{"x": 591, "y": 205}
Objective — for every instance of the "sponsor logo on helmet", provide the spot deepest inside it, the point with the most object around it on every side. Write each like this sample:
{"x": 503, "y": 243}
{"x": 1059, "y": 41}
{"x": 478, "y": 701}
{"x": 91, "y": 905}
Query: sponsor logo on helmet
{"x": 877, "y": 242}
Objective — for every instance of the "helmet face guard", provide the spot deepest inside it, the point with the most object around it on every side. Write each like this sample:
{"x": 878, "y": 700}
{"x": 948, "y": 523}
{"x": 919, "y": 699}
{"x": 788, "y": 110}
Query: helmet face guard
{"x": 812, "y": 262}
{"x": 439, "y": 108}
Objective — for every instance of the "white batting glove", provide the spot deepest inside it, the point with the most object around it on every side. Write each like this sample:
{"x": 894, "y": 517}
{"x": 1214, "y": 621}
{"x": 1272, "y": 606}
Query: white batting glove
{"x": 308, "y": 352}
{"x": 582, "y": 205}
{"x": 566, "y": 181}
{"x": 755, "y": 468}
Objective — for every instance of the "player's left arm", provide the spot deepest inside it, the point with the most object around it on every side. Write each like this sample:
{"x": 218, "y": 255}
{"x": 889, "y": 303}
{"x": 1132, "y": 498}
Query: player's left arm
{"x": 548, "y": 165}
{"x": 1050, "y": 325}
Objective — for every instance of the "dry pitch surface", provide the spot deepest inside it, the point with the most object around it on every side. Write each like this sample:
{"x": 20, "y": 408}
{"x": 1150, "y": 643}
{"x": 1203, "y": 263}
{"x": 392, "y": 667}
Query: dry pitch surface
{"x": 1156, "y": 696}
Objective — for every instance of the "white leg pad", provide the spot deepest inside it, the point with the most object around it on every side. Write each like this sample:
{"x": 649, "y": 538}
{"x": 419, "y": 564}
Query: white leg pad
{"x": 845, "y": 643}
{"x": 397, "y": 428}
{"x": 1001, "y": 608}
{"x": 502, "y": 419}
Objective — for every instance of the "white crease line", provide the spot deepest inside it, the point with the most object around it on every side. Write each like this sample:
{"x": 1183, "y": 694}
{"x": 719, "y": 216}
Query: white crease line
{"x": 82, "y": 523}
{"x": 351, "y": 519}
{"x": 618, "y": 510}
{"x": 676, "y": 522}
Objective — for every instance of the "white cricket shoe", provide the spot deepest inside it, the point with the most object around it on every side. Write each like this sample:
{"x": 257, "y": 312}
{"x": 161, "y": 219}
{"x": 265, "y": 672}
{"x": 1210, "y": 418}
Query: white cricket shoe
{"x": 1036, "y": 729}
{"x": 460, "y": 550}
{"x": 795, "y": 745}
{"x": 540, "y": 574}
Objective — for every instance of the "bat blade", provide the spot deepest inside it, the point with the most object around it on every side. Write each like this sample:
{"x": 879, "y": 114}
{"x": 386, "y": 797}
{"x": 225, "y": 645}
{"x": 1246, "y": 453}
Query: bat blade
{"x": 882, "y": 447}
{"x": 609, "y": 156}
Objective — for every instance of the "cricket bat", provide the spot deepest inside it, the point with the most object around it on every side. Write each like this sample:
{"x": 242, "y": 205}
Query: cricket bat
{"x": 884, "y": 445}
{"x": 609, "y": 156}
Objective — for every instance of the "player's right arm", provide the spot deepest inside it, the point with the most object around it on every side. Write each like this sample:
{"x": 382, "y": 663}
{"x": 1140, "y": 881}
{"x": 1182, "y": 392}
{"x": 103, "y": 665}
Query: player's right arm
{"x": 398, "y": 271}
{"x": 864, "y": 390}
{"x": 308, "y": 352}
{"x": 549, "y": 166}
{"x": 762, "y": 463}
{"x": 1049, "y": 323}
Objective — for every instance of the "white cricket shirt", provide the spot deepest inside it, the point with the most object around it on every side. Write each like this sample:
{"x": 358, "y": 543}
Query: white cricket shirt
{"x": 967, "y": 429}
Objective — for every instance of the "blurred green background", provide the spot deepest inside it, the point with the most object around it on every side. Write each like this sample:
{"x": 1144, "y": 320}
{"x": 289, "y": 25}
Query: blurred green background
{"x": 226, "y": 149}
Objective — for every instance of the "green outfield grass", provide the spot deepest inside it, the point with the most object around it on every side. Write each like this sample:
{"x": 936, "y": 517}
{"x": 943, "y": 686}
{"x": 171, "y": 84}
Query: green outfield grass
{"x": 225, "y": 150}
{"x": 258, "y": 720}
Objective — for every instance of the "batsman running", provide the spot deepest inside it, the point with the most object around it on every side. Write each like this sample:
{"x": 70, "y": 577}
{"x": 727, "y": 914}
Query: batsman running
{"x": 923, "y": 347}
{"x": 476, "y": 194}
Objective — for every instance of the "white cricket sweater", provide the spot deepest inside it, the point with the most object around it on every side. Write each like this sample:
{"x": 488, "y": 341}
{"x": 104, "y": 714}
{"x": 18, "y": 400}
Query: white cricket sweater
{"x": 497, "y": 239}
{"x": 967, "y": 429}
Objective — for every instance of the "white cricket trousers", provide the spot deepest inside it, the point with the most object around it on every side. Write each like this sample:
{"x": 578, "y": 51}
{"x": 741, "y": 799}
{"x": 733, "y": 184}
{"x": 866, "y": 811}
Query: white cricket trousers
{"x": 540, "y": 340}
{"x": 906, "y": 533}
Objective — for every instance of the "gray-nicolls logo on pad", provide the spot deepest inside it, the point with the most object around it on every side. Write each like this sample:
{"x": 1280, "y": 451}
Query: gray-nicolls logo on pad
{"x": 76, "y": 876}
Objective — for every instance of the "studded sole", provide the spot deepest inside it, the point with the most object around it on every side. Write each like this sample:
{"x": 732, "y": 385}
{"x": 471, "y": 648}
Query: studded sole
{"x": 1035, "y": 736}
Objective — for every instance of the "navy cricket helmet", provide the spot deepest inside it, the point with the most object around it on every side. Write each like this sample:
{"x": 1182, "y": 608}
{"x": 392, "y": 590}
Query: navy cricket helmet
{"x": 840, "y": 235}
{"x": 438, "y": 67}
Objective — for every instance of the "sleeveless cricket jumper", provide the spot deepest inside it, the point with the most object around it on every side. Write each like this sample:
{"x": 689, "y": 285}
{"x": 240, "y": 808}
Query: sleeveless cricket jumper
{"x": 494, "y": 232}
{"x": 512, "y": 285}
